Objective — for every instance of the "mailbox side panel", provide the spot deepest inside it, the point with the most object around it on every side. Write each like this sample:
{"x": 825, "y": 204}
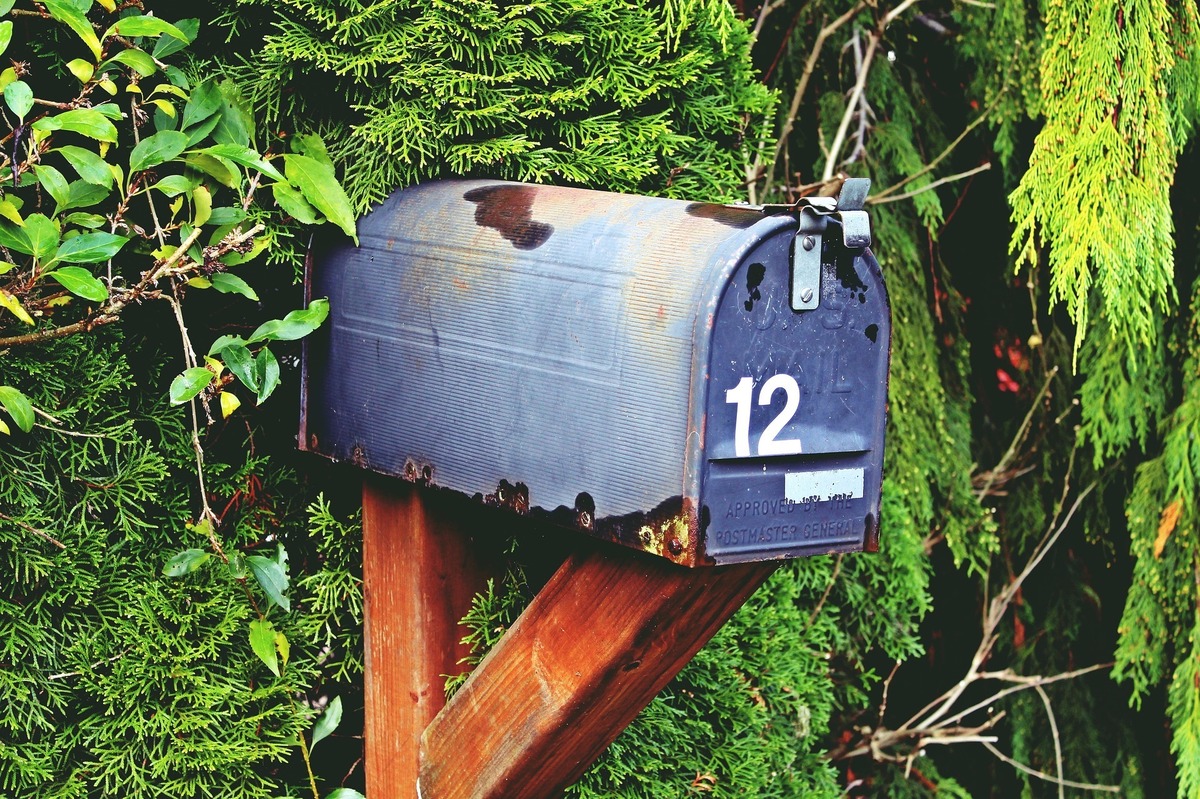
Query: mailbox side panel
{"x": 530, "y": 345}
{"x": 795, "y": 408}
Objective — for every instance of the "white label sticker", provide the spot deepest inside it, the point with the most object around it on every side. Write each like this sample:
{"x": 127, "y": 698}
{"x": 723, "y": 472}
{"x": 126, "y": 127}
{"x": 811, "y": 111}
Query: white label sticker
{"x": 824, "y": 485}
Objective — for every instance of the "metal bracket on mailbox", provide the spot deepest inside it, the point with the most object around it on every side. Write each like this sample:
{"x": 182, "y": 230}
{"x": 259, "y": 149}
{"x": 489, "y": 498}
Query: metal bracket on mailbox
{"x": 806, "y": 260}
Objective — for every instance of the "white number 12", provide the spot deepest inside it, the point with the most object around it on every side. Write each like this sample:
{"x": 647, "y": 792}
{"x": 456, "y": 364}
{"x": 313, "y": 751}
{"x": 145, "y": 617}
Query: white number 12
{"x": 741, "y": 395}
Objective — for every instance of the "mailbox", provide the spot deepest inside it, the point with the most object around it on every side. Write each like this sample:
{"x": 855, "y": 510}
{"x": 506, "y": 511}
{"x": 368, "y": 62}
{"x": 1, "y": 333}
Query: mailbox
{"x": 704, "y": 382}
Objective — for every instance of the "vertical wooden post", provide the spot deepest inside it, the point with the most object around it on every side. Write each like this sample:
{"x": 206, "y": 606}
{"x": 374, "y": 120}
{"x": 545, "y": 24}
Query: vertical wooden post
{"x": 420, "y": 570}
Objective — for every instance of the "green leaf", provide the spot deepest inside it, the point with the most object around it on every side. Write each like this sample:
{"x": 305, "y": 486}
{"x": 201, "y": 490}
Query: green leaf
{"x": 42, "y": 235}
{"x": 80, "y": 281}
{"x": 262, "y": 641}
{"x": 90, "y": 166}
{"x": 328, "y": 722}
{"x": 319, "y": 186}
{"x": 345, "y": 793}
{"x": 54, "y": 183}
{"x": 217, "y": 168}
{"x": 11, "y": 210}
{"x": 154, "y": 150}
{"x": 232, "y": 284}
{"x": 145, "y": 26}
{"x": 204, "y": 103}
{"x": 66, "y": 12}
{"x": 293, "y": 204}
{"x": 190, "y": 383}
{"x": 83, "y": 194}
{"x": 283, "y": 648}
{"x": 18, "y": 407}
{"x": 226, "y": 215}
{"x": 202, "y": 202}
{"x": 110, "y": 110}
{"x": 6, "y": 6}
{"x": 19, "y": 97}
{"x": 271, "y": 577}
{"x": 266, "y": 369}
{"x": 185, "y": 562}
{"x": 241, "y": 363}
{"x": 81, "y": 69}
{"x": 236, "y": 123}
{"x": 90, "y": 248}
{"x": 244, "y": 156}
{"x": 86, "y": 121}
{"x": 313, "y": 146}
{"x": 295, "y": 325}
{"x": 224, "y": 342}
{"x": 168, "y": 45}
{"x": 5, "y": 34}
{"x": 14, "y": 306}
{"x": 89, "y": 221}
{"x": 174, "y": 185}
{"x": 139, "y": 61}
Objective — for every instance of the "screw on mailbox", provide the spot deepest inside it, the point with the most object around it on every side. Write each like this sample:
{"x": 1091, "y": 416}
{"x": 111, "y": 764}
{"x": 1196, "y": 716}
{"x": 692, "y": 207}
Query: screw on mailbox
{"x": 809, "y": 243}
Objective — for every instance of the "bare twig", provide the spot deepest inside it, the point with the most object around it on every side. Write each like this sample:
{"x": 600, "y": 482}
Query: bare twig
{"x": 34, "y": 530}
{"x": 1022, "y": 431}
{"x": 798, "y": 95}
{"x": 1058, "y": 758}
{"x": 837, "y": 567}
{"x": 1085, "y": 786}
{"x": 930, "y": 186}
{"x": 860, "y": 84}
{"x": 767, "y": 8}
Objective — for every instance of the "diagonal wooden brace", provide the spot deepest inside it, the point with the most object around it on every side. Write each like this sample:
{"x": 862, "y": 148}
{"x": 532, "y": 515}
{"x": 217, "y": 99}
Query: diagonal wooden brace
{"x": 607, "y": 632}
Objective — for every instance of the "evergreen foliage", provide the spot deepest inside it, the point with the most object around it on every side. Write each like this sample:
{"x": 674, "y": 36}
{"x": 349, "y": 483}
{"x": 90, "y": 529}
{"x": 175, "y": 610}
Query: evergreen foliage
{"x": 629, "y": 96}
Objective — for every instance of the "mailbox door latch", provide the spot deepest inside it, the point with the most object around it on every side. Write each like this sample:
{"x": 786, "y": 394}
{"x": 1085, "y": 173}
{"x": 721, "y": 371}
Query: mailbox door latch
{"x": 813, "y": 214}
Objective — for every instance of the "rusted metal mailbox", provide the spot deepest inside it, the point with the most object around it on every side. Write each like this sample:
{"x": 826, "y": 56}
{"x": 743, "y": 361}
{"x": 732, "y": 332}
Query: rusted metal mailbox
{"x": 704, "y": 382}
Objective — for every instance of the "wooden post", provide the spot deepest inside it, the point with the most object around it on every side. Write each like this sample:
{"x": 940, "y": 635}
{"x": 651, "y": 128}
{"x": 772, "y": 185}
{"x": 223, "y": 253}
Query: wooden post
{"x": 420, "y": 570}
{"x": 607, "y": 633}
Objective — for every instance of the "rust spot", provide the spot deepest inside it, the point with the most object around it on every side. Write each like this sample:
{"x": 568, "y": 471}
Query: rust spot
{"x": 509, "y": 211}
{"x": 667, "y": 530}
{"x": 871, "y": 540}
{"x": 725, "y": 214}
{"x": 510, "y": 497}
{"x": 358, "y": 456}
{"x": 460, "y": 284}
{"x": 312, "y": 441}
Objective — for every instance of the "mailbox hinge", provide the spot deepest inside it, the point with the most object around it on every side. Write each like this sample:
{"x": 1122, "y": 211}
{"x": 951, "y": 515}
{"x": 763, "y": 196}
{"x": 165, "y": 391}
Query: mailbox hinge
{"x": 813, "y": 215}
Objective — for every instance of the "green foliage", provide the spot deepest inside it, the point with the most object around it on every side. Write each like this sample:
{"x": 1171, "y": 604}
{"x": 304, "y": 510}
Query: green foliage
{"x": 627, "y": 96}
{"x": 1097, "y": 186}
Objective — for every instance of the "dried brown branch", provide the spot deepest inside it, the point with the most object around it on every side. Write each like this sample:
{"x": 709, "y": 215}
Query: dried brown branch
{"x": 931, "y": 186}
{"x": 34, "y": 530}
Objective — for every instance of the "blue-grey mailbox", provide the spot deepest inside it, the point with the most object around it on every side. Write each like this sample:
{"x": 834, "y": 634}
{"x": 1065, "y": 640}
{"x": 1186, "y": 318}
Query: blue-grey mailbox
{"x": 700, "y": 381}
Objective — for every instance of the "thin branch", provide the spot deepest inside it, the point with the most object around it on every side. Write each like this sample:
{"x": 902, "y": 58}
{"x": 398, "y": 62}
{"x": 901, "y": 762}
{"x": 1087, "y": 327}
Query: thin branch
{"x": 1058, "y": 758}
{"x": 82, "y": 326}
{"x": 1022, "y": 431}
{"x": 1022, "y": 683}
{"x": 801, "y": 86}
{"x": 34, "y": 530}
{"x": 860, "y": 85}
{"x": 767, "y": 8}
{"x": 930, "y": 186}
{"x": 837, "y": 567}
{"x": 1084, "y": 786}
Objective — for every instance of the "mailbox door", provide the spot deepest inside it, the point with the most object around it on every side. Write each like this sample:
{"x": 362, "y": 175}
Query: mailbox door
{"x": 796, "y": 405}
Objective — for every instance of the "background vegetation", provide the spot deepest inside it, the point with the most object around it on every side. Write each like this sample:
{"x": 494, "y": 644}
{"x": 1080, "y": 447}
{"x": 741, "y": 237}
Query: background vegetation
{"x": 181, "y": 609}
